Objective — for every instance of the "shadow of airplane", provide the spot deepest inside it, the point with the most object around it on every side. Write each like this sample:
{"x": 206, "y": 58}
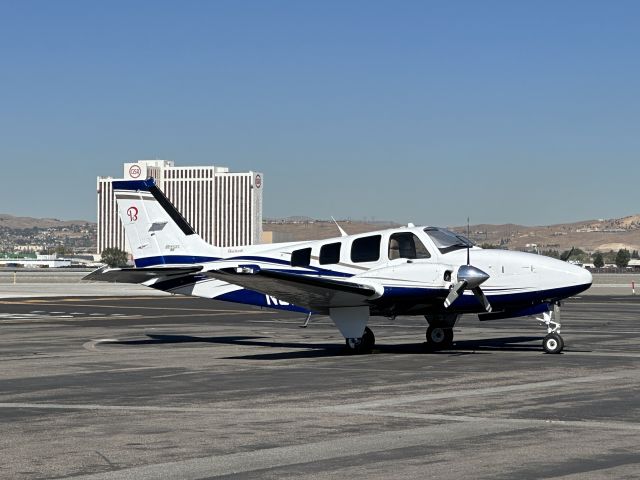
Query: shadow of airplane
{"x": 315, "y": 350}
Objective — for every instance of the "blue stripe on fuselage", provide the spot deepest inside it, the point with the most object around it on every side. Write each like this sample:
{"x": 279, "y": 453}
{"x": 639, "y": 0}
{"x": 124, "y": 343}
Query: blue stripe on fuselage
{"x": 250, "y": 297}
{"x": 173, "y": 260}
{"x": 189, "y": 259}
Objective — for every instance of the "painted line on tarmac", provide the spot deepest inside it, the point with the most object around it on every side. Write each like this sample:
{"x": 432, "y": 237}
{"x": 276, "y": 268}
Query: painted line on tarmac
{"x": 306, "y": 411}
{"x": 131, "y": 307}
{"x": 608, "y": 425}
{"x": 477, "y": 392}
{"x": 624, "y": 302}
{"x": 342, "y": 408}
{"x": 341, "y": 447}
{"x": 20, "y": 318}
{"x": 117, "y": 408}
{"x": 604, "y": 354}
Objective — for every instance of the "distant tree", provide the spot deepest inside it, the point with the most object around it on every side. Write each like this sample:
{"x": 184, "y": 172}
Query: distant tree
{"x": 598, "y": 260}
{"x": 635, "y": 255}
{"x": 575, "y": 254}
{"x": 62, "y": 250}
{"x": 550, "y": 253}
{"x": 622, "y": 258}
{"x": 488, "y": 246}
{"x": 609, "y": 257}
{"x": 114, "y": 257}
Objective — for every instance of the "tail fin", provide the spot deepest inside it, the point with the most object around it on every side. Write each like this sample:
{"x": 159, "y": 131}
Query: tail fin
{"x": 157, "y": 233}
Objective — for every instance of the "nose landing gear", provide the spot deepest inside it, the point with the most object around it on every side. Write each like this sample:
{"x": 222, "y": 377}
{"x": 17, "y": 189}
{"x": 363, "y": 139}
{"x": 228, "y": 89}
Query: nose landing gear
{"x": 553, "y": 342}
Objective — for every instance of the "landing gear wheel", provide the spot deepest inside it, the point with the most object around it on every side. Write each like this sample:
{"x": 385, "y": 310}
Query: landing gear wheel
{"x": 439, "y": 337}
{"x": 553, "y": 343}
{"x": 363, "y": 344}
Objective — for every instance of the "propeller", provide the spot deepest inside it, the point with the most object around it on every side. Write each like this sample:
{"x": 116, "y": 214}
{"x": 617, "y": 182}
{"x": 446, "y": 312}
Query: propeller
{"x": 469, "y": 278}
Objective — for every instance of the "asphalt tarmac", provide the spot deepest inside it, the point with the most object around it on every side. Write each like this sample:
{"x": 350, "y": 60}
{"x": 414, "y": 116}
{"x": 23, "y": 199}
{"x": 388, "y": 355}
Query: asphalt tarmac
{"x": 173, "y": 387}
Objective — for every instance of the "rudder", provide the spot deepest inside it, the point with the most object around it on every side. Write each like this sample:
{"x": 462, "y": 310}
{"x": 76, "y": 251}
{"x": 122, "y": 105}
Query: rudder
{"x": 156, "y": 231}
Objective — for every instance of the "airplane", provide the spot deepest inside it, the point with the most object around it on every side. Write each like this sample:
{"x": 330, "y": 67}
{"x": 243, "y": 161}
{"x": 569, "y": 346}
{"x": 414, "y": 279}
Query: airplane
{"x": 427, "y": 271}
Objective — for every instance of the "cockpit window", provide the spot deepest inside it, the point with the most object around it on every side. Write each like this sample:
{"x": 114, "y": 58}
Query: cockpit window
{"x": 446, "y": 240}
{"x": 406, "y": 245}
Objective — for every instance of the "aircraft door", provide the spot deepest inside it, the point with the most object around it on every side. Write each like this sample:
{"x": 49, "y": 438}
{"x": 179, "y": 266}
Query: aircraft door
{"x": 406, "y": 245}
{"x": 406, "y": 252}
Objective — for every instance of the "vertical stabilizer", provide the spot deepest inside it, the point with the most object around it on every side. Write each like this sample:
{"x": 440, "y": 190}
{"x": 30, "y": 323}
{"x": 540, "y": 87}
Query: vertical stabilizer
{"x": 157, "y": 233}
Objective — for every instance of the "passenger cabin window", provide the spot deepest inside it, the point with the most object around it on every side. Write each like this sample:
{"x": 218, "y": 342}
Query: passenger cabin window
{"x": 330, "y": 253}
{"x": 301, "y": 258}
{"x": 366, "y": 249}
{"x": 406, "y": 245}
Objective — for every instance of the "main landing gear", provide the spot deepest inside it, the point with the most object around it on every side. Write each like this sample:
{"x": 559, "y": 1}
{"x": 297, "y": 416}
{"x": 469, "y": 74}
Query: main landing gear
{"x": 363, "y": 344}
{"x": 553, "y": 342}
{"x": 439, "y": 337}
{"x": 440, "y": 331}
{"x": 352, "y": 323}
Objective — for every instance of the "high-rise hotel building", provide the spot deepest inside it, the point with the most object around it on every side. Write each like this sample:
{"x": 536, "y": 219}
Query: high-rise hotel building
{"x": 223, "y": 207}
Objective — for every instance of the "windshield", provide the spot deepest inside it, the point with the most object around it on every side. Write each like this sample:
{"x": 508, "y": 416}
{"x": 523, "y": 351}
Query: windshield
{"x": 446, "y": 240}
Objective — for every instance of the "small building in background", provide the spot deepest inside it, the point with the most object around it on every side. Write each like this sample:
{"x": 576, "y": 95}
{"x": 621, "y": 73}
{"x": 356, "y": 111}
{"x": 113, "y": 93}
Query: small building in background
{"x": 34, "y": 261}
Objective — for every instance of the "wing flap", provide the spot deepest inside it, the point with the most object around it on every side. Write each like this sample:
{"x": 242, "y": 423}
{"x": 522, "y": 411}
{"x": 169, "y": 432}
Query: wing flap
{"x": 313, "y": 292}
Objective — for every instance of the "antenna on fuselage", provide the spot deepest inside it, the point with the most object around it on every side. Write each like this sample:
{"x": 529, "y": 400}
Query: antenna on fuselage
{"x": 469, "y": 278}
{"x": 342, "y": 232}
{"x": 468, "y": 243}
{"x": 568, "y": 255}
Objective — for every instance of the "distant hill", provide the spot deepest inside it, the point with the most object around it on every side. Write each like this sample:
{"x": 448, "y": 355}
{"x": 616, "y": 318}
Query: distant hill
{"x": 12, "y": 222}
{"x": 286, "y": 230}
{"x": 590, "y": 235}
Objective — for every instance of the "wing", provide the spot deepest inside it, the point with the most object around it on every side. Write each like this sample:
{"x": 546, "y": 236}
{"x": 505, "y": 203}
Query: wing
{"x": 139, "y": 275}
{"x": 313, "y": 292}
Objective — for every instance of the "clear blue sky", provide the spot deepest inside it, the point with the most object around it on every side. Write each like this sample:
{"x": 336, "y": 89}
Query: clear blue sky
{"x": 504, "y": 111}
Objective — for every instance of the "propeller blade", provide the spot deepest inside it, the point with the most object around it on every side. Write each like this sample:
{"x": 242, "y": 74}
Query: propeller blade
{"x": 482, "y": 298}
{"x": 455, "y": 293}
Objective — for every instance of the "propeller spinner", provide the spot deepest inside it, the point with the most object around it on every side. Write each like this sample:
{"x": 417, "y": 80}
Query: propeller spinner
{"x": 469, "y": 278}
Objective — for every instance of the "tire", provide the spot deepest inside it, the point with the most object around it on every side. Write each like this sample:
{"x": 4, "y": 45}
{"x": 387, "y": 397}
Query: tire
{"x": 363, "y": 344}
{"x": 553, "y": 343}
{"x": 439, "y": 337}
{"x": 368, "y": 338}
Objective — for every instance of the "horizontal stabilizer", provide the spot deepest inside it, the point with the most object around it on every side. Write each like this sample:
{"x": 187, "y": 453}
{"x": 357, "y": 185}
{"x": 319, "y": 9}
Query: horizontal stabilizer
{"x": 138, "y": 275}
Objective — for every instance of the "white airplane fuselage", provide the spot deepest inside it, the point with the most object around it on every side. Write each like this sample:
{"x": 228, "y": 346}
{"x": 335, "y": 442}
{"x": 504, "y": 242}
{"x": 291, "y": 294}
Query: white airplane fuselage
{"x": 402, "y": 271}
{"x": 406, "y": 286}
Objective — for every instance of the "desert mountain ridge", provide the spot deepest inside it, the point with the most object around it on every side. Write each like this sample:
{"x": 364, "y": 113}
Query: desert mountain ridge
{"x": 15, "y": 223}
{"x": 590, "y": 235}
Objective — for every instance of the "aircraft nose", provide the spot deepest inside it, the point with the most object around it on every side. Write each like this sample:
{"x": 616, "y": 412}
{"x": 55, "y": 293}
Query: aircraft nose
{"x": 584, "y": 276}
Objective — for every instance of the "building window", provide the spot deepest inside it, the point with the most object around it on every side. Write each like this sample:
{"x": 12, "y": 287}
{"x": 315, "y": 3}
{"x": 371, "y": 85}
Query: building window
{"x": 301, "y": 258}
{"x": 330, "y": 253}
{"x": 406, "y": 245}
{"x": 366, "y": 249}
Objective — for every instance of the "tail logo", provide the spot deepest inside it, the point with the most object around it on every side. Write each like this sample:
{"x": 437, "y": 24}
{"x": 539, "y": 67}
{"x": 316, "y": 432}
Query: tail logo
{"x": 132, "y": 212}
